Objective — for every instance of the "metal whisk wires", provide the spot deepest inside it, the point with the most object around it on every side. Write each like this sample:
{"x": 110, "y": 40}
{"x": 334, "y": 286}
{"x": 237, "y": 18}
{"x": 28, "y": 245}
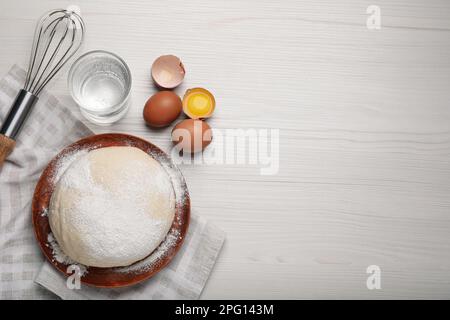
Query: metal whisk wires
{"x": 58, "y": 36}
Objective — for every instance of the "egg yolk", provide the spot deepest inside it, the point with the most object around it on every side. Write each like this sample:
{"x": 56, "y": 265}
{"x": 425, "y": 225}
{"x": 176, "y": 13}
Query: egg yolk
{"x": 199, "y": 103}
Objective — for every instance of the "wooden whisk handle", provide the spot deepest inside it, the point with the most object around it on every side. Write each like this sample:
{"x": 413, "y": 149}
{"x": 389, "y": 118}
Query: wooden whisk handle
{"x": 6, "y": 147}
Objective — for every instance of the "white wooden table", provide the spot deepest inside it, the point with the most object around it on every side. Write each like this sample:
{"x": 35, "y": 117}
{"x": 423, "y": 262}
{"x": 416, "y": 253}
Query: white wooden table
{"x": 364, "y": 119}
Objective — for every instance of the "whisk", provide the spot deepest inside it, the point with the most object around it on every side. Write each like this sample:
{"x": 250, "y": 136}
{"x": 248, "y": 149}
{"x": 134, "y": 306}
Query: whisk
{"x": 58, "y": 36}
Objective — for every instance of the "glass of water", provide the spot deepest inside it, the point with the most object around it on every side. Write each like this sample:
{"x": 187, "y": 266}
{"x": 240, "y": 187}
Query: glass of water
{"x": 100, "y": 83}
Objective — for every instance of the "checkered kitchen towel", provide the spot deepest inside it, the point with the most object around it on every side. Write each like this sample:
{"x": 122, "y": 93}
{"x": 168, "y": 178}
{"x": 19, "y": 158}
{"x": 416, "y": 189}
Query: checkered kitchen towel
{"x": 23, "y": 272}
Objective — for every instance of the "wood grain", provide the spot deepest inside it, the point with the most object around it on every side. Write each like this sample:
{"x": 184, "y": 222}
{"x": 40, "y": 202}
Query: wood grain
{"x": 364, "y": 123}
{"x": 6, "y": 147}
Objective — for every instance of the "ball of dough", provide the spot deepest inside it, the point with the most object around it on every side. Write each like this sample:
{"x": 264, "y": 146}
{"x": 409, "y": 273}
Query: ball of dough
{"x": 112, "y": 207}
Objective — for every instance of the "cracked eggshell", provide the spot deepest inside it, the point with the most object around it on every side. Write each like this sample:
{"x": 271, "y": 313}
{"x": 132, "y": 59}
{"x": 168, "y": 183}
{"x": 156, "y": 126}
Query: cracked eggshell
{"x": 198, "y": 103}
{"x": 168, "y": 71}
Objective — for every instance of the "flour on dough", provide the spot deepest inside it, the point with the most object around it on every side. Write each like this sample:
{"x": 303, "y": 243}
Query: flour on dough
{"x": 112, "y": 207}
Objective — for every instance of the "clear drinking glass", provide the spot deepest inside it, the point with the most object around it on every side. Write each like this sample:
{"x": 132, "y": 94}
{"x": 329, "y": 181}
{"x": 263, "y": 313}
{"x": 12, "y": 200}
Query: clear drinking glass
{"x": 100, "y": 83}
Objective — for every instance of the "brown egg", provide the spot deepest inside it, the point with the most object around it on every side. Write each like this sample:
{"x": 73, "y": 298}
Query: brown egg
{"x": 192, "y": 135}
{"x": 162, "y": 109}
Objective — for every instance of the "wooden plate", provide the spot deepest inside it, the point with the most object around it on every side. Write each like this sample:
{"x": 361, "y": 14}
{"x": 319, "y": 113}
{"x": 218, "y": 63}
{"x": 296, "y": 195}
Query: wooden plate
{"x": 113, "y": 277}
